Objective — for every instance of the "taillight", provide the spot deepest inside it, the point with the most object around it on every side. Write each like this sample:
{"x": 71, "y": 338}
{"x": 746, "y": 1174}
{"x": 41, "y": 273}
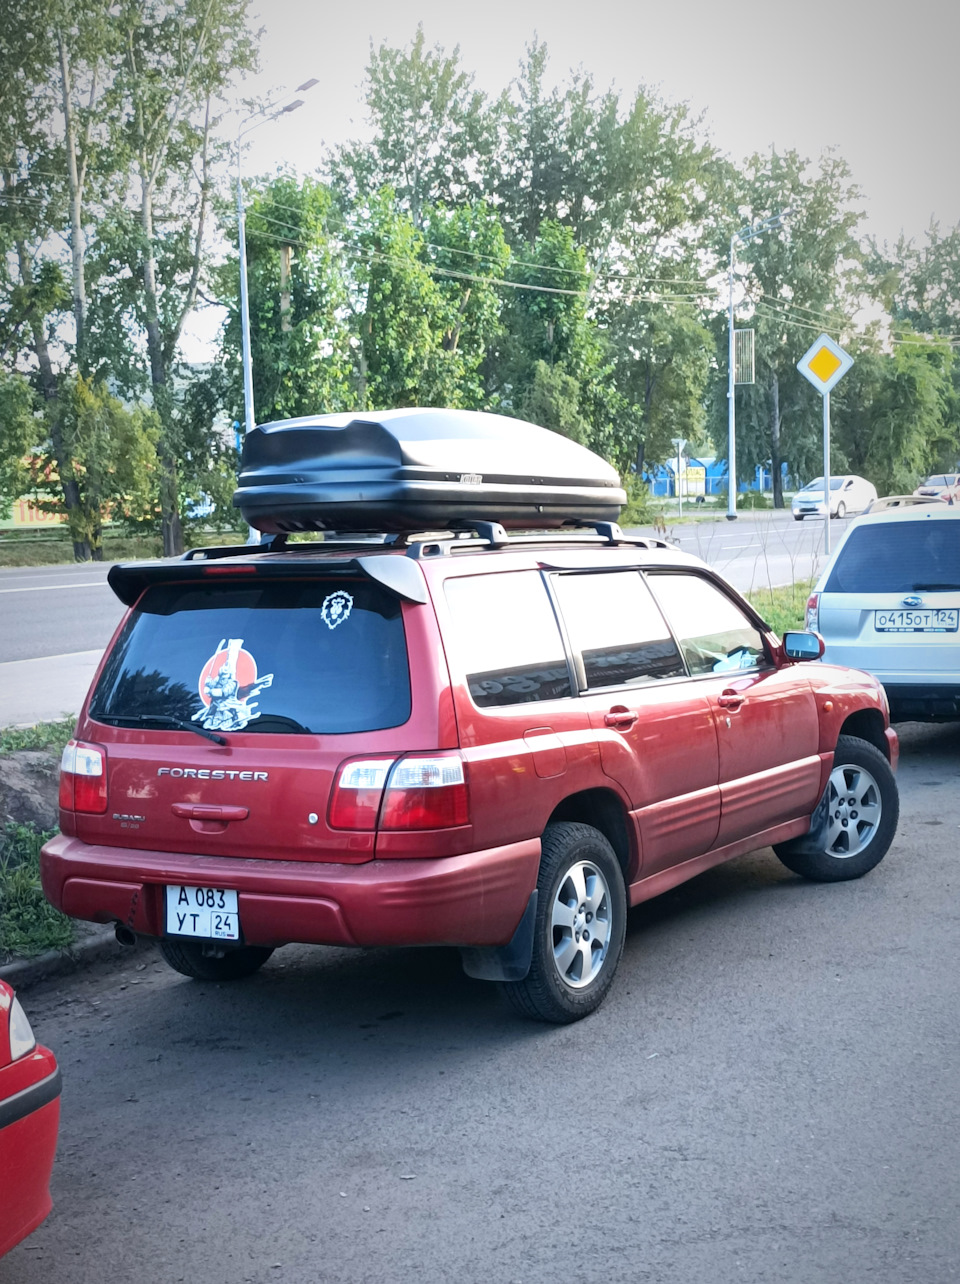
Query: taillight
{"x": 83, "y": 778}
{"x": 414, "y": 793}
{"x": 355, "y": 801}
{"x": 425, "y": 793}
{"x": 813, "y": 612}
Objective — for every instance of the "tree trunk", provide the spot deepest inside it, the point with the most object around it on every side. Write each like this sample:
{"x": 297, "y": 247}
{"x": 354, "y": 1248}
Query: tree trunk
{"x": 775, "y": 419}
{"x": 48, "y": 383}
{"x": 76, "y": 201}
{"x": 170, "y": 525}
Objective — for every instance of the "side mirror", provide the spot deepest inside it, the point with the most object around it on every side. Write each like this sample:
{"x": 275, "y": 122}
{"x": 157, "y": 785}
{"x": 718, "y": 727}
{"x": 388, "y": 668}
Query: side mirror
{"x": 803, "y": 646}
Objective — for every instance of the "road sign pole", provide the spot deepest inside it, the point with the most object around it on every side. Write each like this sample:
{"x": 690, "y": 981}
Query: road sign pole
{"x": 823, "y": 365}
{"x": 731, "y": 406}
{"x": 826, "y": 471}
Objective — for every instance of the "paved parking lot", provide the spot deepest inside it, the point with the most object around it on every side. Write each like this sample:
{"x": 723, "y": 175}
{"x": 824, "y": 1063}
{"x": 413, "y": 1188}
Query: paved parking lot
{"x": 771, "y": 1093}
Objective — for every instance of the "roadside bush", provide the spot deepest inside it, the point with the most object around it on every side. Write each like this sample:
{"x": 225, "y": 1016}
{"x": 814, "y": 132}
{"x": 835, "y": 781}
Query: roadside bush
{"x": 42, "y": 735}
{"x": 753, "y": 499}
{"x": 642, "y": 509}
{"x": 29, "y": 925}
{"x": 783, "y": 608}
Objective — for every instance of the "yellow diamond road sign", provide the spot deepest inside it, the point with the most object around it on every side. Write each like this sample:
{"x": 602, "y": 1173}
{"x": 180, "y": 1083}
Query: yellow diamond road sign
{"x": 825, "y": 363}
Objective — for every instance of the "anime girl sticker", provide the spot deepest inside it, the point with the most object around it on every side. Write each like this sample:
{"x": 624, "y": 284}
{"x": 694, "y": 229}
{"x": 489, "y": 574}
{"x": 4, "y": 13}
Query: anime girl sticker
{"x": 336, "y": 608}
{"x": 228, "y": 680}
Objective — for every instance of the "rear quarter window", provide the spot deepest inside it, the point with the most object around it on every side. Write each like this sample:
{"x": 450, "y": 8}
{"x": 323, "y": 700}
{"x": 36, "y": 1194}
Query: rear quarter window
{"x": 506, "y": 638}
{"x": 320, "y": 656}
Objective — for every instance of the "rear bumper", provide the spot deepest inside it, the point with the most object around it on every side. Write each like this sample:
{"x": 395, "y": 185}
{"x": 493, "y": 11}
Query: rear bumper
{"x": 474, "y": 899}
{"x": 29, "y": 1121}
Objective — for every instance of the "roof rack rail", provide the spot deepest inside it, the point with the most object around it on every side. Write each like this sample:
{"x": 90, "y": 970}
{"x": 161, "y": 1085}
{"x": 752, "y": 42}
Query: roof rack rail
{"x": 468, "y": 534}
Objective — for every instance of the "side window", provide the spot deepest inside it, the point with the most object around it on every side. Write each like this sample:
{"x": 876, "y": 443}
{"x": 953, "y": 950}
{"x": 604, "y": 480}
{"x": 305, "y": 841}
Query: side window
{"x": 617, "y": 627}
{"x": 507, "y": 638}
{"x": 715, "y": 635}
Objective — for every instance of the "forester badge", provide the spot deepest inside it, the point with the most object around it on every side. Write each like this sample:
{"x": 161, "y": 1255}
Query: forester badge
{"x": 228, "y": 681}
{"x": 336, "y": 608}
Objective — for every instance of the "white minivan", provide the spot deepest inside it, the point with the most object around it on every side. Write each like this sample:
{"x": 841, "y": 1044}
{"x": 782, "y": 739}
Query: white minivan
{"x": 848, "y": 494}
{"x": 888, "y": 601}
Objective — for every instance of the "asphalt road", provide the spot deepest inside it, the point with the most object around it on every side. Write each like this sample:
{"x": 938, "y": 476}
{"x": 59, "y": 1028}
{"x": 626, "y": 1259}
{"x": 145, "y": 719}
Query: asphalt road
{"x": 67, "y": 614}
{"x": 770, "y": 1094}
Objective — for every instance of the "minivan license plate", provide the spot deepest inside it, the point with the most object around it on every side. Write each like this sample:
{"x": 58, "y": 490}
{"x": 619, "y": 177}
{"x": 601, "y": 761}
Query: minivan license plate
{"x": 926, "y": 621}
{"x": 211, "y": 912}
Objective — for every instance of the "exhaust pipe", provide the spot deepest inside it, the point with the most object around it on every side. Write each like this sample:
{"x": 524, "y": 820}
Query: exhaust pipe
{"x": 126, "y": 936}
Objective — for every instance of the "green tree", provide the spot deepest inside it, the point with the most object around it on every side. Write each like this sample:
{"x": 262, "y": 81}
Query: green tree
{"x": 21, "y": 432}
{"x": 112, "y": 454}
{"x": 888, "y": 413}
{"x": 301, "y": 355}
{"x": 429, "y": 127}
{"x": 178, "y": 59}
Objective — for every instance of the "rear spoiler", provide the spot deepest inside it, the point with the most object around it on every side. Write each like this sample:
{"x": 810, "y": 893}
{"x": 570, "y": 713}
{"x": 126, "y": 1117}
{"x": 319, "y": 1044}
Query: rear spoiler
{"x": 397, "y": 573}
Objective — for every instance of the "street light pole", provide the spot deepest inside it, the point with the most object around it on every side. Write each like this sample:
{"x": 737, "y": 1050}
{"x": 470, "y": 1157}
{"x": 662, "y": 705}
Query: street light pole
{"x": 745, "y": 234}
{"x": 249, "y": 417}
{"x": 731, "y": 403}
{"x": 679, "y": 442}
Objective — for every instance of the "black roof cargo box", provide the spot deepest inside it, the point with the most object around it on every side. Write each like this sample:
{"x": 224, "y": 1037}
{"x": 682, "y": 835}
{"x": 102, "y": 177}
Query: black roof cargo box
{"x": 396, "y": 471}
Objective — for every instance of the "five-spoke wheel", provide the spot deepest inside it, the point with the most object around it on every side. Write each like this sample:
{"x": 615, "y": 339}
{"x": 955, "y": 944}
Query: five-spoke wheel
{"x": 579, "y": 928}
{"x": 857, "y": 817}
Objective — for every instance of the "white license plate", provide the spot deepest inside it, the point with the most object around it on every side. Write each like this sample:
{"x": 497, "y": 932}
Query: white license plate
{"x": 211, "y": 912}
{"x": 914, "y": 621}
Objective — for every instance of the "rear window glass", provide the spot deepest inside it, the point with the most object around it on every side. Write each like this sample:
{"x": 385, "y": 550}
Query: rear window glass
{"x": 898, "y": 557}
{"x": 321, "y": 656}
{"x": 507, "y": 639}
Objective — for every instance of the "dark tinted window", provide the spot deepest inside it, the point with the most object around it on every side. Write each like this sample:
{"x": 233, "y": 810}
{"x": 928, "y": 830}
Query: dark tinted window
{"x": 318, "y": 656}
{"x": 715, "y": 635}
{"x": 506, "y": 638}
{"x": 898, "y": 557}
{"x": 618, "y": 629}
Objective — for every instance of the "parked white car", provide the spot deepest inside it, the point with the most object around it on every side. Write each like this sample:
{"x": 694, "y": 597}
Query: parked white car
{"x": 945, "y": 486}
{"x": 888, "y": 601}
{"x": 848, "y": 494}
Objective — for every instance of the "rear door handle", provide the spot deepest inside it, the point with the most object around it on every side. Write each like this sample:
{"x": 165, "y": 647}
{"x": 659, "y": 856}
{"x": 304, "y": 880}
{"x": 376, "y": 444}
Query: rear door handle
{"x": 208, "y": 811}
{"x": 730, "y": 700}
{"x": 620, "y": 717}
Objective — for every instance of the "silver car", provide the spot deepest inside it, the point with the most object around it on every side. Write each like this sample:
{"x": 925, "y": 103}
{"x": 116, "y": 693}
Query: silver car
{"x": 888, "y": 601}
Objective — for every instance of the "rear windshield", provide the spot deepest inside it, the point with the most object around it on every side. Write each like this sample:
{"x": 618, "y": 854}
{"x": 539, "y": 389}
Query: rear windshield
{"x": 898, "y": 557}
{"x": 321, "y": 656}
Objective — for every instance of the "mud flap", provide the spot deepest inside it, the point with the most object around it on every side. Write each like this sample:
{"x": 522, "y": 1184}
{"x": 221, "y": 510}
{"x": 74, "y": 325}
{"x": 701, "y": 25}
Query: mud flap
{"x": 811, "y": 843}
{"x": 510, "y": 962}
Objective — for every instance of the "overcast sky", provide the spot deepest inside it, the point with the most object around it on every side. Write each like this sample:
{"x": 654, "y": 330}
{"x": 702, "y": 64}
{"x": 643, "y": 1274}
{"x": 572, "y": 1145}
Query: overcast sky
{"x": 877, "y": 80}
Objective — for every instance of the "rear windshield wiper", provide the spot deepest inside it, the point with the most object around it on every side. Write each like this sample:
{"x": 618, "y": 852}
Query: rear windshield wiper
{"x": 945, "y": 587}
{"x": 165, "y": 720}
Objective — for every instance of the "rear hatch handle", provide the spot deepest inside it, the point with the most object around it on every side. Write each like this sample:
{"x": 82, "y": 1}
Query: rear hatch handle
{"x": 208, "y": 811}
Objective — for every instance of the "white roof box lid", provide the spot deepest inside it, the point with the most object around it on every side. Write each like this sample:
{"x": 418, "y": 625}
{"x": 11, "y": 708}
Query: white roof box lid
{"x": 414, "y": 469}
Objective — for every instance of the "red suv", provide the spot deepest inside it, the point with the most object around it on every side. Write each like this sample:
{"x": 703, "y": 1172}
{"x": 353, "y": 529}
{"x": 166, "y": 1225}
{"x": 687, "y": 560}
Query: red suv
{"x": 497, "y": 742}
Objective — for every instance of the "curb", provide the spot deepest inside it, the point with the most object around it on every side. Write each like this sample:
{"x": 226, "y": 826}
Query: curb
{"x": 26, "y": 972}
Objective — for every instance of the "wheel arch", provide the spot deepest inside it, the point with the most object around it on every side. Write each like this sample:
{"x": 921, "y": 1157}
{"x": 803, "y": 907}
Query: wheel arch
{"x": 605, "y": 811}
{"x": 869, "y": 725}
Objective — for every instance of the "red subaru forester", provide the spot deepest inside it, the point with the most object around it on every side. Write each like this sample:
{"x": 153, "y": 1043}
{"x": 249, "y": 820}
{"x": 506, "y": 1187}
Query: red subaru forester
{"x": 474, "y": 738}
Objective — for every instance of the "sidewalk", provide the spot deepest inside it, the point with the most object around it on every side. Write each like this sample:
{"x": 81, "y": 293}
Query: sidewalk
{"x": 45, "y": 689}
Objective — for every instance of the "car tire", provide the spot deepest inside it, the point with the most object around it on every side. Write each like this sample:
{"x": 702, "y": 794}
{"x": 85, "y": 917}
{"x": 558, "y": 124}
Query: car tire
{"x": 862, "y": 810}
{"x": 187, "y": 957}
{"x": 580, "y": 889}
{"x": 841, "y": 510}
{"x": 798, "y": 517}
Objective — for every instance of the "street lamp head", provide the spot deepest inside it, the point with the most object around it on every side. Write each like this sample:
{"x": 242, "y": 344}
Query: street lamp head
{"x": 307, "y": 84}
{"x": 297, "y": 102}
